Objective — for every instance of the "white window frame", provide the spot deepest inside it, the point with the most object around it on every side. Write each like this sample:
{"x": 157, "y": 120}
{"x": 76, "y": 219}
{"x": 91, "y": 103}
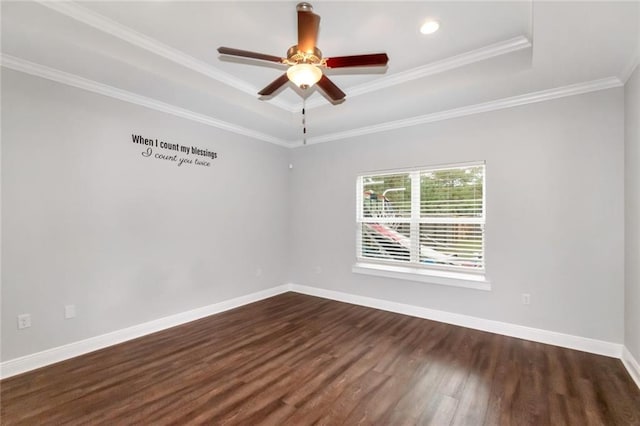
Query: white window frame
{"x": 413, "y": 270}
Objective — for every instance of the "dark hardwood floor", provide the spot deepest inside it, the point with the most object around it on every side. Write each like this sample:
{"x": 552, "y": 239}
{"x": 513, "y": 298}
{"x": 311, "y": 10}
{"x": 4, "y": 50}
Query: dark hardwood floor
{"x": 301, "y": 360}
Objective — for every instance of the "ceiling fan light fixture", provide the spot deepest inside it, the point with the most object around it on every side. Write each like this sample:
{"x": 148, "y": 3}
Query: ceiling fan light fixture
{"x": 304, "y": 75}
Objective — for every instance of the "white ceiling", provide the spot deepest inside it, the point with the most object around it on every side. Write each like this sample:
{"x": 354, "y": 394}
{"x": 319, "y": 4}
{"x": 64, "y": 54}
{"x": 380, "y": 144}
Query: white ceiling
{"x": 486, "y": 55}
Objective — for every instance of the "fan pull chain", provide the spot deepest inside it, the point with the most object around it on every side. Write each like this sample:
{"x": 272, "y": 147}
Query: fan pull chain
{"x": 304, "y": 122}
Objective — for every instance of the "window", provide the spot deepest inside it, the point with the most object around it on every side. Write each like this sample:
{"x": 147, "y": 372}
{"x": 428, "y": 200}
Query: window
{"x": 426, "y": 219}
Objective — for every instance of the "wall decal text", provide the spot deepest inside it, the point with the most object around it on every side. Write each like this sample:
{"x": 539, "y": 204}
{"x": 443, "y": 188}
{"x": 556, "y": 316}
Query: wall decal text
{"x": 175, "y": 153}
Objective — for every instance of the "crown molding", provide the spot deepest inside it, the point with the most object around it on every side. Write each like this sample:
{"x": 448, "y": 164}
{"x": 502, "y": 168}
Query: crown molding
{"x": 529, "y": 98}
{"x": 497, "y": 49}
{"x": 109, "y": 26}
{"x": 38, "y": 70}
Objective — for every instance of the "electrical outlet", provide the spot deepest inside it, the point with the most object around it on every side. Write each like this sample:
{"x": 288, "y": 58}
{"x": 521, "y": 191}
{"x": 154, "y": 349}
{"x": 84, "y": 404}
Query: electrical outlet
{"x": 526, "y": 299}
{"x": 318, "y": 269}
{"x": 69, "y": 311}
{"x": 258, "y": 272}
{"x": 24, "y": 321}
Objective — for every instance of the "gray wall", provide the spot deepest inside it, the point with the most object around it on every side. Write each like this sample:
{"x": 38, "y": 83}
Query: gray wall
{"x": 88, "y": 221}
{"x": 555, "y": 206}
{"x": 632, "y": 214}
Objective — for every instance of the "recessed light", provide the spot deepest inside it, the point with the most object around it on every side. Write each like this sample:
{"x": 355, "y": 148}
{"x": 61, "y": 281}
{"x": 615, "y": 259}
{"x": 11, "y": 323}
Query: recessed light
{"x": 429, "y": 27}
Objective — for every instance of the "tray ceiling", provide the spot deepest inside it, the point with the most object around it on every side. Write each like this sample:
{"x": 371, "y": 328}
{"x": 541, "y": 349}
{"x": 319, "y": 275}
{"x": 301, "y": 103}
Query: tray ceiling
{"x": 165, "y": 52}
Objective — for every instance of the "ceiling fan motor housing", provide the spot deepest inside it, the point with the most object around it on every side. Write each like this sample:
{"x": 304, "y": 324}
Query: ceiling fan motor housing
{"x": 295, "y": 56}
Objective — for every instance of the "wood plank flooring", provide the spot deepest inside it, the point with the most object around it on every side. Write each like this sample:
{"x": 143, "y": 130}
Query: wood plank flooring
{"x": 300, "y": 360}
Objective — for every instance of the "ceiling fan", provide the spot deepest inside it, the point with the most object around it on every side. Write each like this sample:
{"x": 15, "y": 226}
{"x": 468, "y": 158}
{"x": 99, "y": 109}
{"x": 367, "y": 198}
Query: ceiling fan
{"x": 305, "y": 60}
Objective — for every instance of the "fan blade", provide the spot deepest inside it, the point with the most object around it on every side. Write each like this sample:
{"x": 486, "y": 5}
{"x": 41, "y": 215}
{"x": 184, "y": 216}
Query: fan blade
{"x": 275, "y": 85}
{"x": 308, "y": 27}
{"x": 372, "y": 60}
{"x": 246, "y": 54}
{"x": 330, "y": 88}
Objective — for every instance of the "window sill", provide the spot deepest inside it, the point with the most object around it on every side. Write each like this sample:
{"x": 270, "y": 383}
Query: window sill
{"x": 455, "y": 279}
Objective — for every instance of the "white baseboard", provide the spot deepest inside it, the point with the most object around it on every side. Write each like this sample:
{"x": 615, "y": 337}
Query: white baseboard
{"x": 632, "y": 365}
{"x": 40, "y": 359}
{"x": 535, "y": 334}
{"x": 30, "y": 362}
